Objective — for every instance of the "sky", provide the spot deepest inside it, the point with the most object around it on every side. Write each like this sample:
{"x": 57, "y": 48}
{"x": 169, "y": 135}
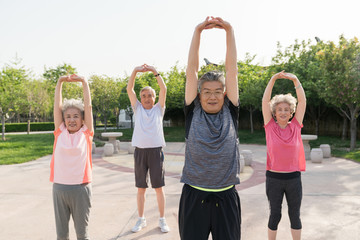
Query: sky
{"x": 111, "y": 37}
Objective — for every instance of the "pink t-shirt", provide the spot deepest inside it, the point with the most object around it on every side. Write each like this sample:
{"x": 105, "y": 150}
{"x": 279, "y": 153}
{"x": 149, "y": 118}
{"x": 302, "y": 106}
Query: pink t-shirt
{"x": 285, "y": 150}
{"x": 71, "y": 161}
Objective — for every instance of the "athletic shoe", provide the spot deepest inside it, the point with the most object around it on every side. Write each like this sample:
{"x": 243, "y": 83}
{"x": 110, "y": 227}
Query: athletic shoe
{"x": 163, "y": 226}
{"x": 141, "y": 223}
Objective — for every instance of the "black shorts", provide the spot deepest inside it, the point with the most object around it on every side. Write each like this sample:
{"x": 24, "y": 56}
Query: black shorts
{"x": 203, "y": 212}
{"x": 149, "y": 160}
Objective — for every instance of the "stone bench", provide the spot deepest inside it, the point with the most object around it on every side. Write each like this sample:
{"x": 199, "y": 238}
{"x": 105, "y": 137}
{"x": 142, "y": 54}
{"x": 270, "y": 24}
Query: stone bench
{"x": 248, "y": 156}
{"x": 316, "y": 155}
{"x": 112, "y": 139}
{"x": 326, "y": 150}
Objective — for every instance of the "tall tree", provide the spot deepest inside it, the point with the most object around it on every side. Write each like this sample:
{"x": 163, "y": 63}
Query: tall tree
{"x": 341, "y": 79}
{"x": 12, "y": 79}
{"x": 301, "y": 59}
{"x": 252, "y": 82}
{"x": 52, "y": 74}
{"x": 105, "y": 95}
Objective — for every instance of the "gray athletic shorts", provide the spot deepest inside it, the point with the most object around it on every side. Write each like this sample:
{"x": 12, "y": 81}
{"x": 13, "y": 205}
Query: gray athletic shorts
{"x": 149, "y": 161}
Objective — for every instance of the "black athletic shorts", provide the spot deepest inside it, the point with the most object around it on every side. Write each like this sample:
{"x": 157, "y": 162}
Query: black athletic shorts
{"x": 202, "y": 212}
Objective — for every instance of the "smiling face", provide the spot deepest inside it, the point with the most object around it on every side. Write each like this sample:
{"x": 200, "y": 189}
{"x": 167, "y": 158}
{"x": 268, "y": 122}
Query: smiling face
{"x": 212, "y": 96}
{"x": 147, "y": 98}
{"x": 73, "y": 119}
{"x": 282, "y": 113}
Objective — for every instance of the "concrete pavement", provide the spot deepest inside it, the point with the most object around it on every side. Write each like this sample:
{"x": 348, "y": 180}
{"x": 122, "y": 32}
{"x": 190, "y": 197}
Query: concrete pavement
{"x": 330, "y": 207}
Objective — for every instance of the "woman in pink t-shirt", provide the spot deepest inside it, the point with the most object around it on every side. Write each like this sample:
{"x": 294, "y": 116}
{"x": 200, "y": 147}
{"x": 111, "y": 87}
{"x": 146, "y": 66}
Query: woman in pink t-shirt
{"x": 71, "y": 166}
{"x": 285, "y": 153}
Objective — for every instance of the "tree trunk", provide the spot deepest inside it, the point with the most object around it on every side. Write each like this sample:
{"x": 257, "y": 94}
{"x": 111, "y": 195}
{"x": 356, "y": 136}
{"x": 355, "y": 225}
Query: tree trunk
{"x": 105, "y": 121}
{"x": 3, "y": 126}
{"x": 117, "y": 113}
{"x": 317, "y": 126}
{"x": 251, "y": 121}
{"x": 353, "y": 129}
{"x": 345, "y": 122}
{"x": 94, "y": 120}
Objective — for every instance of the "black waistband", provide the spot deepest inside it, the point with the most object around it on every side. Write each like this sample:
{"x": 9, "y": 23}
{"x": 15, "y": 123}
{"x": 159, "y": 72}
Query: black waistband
{"x": 279, "y": 175}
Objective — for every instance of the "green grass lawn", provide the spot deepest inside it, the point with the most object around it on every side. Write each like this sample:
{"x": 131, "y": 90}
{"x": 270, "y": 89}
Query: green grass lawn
{"x": 24, "y": 148}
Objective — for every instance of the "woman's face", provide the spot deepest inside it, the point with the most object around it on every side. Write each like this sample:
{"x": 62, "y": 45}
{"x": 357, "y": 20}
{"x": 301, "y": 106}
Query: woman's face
{"x": 73, "y": 120}
{"x": 282, "y": 113}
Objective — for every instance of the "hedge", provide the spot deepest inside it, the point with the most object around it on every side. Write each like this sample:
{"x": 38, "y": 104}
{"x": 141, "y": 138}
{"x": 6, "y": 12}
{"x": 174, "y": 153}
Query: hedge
{"x": 22, "y": 127}
{"x": 35, "y": 126}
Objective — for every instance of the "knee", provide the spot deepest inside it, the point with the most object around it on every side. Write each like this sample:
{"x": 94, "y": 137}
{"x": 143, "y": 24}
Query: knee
{"x": 159, "y": 190}
{"x": 274, "y": 221}
{"x": 141, "y": 191}
{"x": 295, "y": 221}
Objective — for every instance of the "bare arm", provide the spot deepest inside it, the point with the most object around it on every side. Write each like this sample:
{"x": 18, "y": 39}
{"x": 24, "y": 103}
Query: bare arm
{"x": 231, "y": 82}
{"x": 88, "y": 114}
{"x": 130, "y": 87}
{"x": 161, "y": 83}
{"x": 301, "y": 98}
{"x": 193, "y": 62}
{"x": 266, "y": 111}
{"x": 58, "y": 118}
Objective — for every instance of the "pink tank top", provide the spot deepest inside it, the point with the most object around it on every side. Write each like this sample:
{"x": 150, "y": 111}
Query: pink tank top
{"x": 71, "y": 162}
{"x": 285, "y": 150}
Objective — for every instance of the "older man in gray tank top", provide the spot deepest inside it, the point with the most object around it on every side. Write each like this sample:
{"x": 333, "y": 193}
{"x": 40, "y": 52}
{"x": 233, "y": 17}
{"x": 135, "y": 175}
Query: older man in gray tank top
{"x": 209, "y": 201}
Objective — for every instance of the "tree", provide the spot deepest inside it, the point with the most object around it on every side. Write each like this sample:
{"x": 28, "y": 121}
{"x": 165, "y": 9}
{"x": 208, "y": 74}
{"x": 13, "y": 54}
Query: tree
{"x": 105, "y": 95}
{"x": 301, "y": 59}
{"x": 38, "y": 99}
{"x": 252, "y": 83}
{"x": 53, "y": 74}
{"x": 341, "y": 79}
{"x": 12, "y": 79}
{"x": 175, "y": 82}
{"x": 69, "y": 90}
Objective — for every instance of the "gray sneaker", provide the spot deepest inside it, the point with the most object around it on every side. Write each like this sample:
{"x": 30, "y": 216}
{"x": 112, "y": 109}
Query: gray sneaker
{"x": 141, "y": 223}
{"x": 163, "y": 226}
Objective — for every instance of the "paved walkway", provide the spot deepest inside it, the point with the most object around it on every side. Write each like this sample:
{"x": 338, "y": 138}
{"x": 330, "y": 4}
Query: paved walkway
{"x": 330, "y": 207}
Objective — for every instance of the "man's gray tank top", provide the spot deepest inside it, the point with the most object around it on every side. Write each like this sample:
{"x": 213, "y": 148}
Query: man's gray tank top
{"x": 212, "y": 158}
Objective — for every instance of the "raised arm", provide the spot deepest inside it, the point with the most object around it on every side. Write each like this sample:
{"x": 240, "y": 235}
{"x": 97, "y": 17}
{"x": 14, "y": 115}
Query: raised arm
{"x": 266, "y": 111}
{"x": 88, "y": 114}
{"x": 192, "y": 68}
{"x": 161, "y": 83}
{"x": 130, "y": 87}
{"x": 301, "y": 98}
{"x": 58, "y": 118}
{"x": 231, "y": 81}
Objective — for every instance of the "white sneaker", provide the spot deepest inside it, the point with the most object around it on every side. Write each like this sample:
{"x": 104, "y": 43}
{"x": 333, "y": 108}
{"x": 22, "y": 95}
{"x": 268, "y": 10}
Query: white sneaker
{"x": 163, "y": 226}
{"x": 141, "y": 223}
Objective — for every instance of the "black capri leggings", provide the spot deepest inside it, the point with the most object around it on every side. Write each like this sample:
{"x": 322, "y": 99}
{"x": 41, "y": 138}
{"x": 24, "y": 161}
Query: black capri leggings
{"x": 278, "y": 184}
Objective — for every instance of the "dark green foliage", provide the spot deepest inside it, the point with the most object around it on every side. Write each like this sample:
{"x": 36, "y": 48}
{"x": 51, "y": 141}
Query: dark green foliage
{"x": 34, "y": 127}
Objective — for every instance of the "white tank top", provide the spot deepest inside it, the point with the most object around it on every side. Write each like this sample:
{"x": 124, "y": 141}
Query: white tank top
{"x": 148, "y": 131}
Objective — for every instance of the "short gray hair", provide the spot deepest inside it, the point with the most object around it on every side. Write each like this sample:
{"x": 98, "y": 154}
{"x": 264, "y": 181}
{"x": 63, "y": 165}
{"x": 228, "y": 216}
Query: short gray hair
{"x": 73, "y": 103}
{"x": 212, "y": 76}
{"x": 283, "y": 98}
{"x": 148, "y": 88}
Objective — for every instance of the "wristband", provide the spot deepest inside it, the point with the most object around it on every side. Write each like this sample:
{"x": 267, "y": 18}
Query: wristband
{"x": 298, "y": 86}
{"x": 157, "y": 75}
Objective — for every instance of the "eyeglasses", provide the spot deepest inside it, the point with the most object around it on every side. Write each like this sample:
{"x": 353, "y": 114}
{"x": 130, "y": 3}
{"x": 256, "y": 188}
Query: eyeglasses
{"x": 208, "y": 94}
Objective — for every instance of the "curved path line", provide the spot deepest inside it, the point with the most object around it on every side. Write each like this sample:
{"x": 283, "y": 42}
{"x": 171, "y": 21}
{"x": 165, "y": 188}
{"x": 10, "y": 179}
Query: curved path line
{"x": 256, "y": 178}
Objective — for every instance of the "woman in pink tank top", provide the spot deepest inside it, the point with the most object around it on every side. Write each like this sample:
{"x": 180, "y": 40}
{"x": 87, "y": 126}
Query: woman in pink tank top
{"x": 285, "y": 152}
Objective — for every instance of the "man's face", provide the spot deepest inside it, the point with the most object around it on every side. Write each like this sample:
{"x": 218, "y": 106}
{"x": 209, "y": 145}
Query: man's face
{"x": 212, "y": 96}
{"x": 147, "y": 99}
